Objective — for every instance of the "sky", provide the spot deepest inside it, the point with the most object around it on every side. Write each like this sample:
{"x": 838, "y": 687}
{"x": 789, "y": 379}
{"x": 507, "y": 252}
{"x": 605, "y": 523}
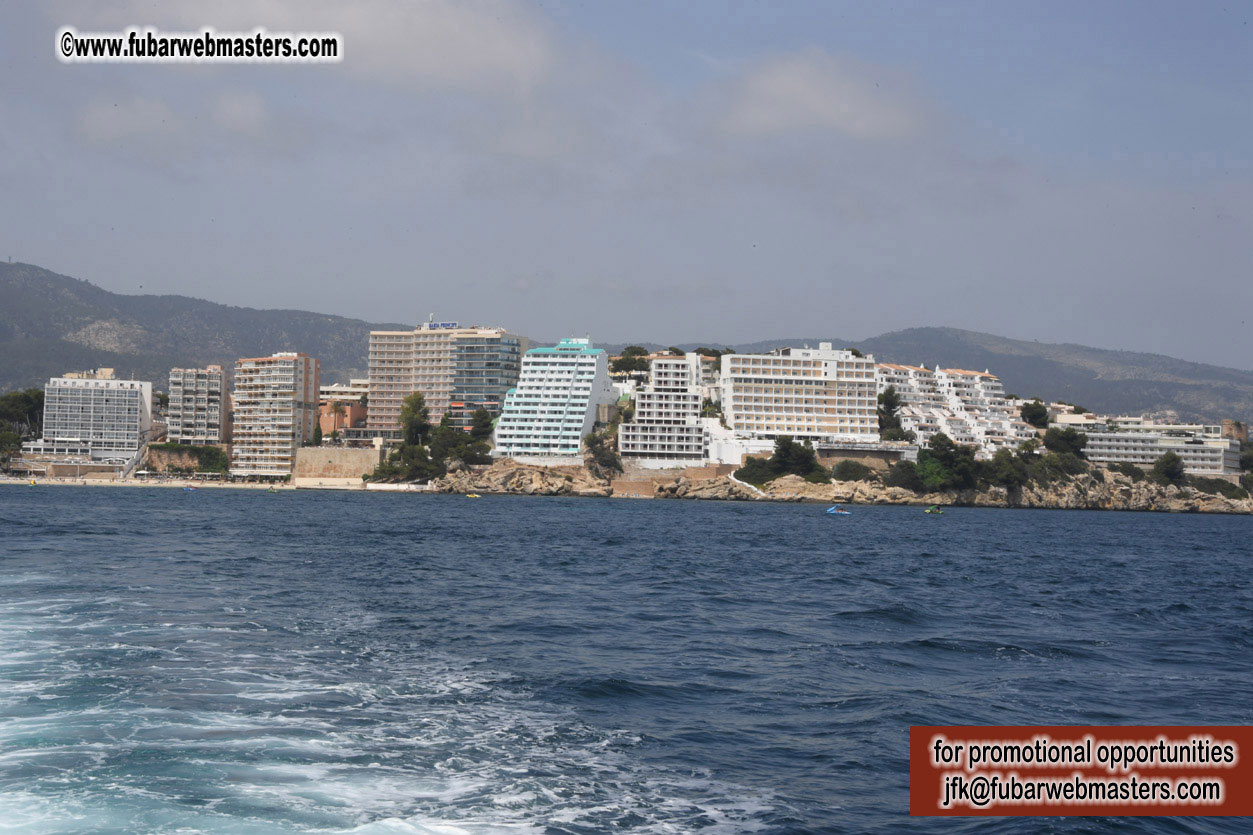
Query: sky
{"x": 669, "y": 172}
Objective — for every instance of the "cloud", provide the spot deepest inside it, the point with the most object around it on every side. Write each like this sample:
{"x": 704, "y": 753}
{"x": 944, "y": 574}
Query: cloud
{"x": 815, "y": 91}
{"x": 104, "y": 120}
{"x": 241, "y": 112}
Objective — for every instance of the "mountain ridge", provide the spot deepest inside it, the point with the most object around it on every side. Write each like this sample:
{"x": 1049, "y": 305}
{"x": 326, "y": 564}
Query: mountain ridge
{"x": 51, "y": 323}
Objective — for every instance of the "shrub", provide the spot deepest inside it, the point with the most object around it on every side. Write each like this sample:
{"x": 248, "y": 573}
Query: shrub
{"x": 1218, "y": 486}
{"x": 1130, "y": 470}
{"x": 756, "y": 471}
{"x": 849, "y": 470}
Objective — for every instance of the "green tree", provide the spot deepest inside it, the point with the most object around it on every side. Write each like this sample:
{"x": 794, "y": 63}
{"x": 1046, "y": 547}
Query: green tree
{"x": 1036, "y": 414}
{"x": 635, "y": 351}
{"x": 1068, "y": 440}
{"x": 23, "y": 410}
{"x": 481, "y": 425}
{"x": 789, "y": 458}
{"x": 364, "y": 400}
{"x": 317, "y": 434}
{"x": 855, "y": 352}
{"x": 415, "y": 420}
{"x": 904, "y": 474}
{"x": 678, "y": 352}
{"x": 633, "y": 364}
{"x": 1168, "y": 470}
{"x": 946, "y": 465}
{"x": 1246, "y": 456}
{"x": 605, "y": 460}
{"x": 890, "y": 428}
{"x": 1007, "y": 470}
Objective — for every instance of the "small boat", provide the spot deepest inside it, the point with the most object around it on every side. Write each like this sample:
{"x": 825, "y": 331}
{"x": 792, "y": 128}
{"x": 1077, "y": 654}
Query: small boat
{"x": 836, "y": 510}
{"x": 188, "y": 488}
{"x": 934, "y": 510}
{"x": 473, "y": 496}
{"x": 272, "y": 490}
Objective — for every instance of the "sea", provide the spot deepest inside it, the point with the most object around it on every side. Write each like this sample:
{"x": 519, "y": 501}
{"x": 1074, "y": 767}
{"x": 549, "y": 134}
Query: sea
{"x": 232, "y": 661}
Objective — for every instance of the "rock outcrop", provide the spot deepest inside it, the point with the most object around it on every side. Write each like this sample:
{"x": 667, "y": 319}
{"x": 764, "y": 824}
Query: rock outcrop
{"x": 705, "y": 488}
{"x": 1084, "y": 492}
{"x": 507, "y": 476}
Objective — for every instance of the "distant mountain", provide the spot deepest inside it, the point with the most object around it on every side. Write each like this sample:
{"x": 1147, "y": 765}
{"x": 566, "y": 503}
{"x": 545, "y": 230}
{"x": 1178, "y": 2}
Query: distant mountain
{"x": 50, "y": 324}
{"x": 1118, "y": 382}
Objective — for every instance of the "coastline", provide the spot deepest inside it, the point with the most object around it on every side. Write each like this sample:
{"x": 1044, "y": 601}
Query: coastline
{"x": 1112, "y": 492}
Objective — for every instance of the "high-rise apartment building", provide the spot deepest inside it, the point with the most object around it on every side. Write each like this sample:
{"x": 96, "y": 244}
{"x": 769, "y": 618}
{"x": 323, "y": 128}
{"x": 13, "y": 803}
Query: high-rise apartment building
{"x": 554, "y": 404}
{"x": 102, "y": 418}
{"x": 817, "y": 394}
{"x": 196, "y": 414}
{"x": 667, "y": 426}
{"x": 457, "y": 370}
{"x": 276, "y": 409}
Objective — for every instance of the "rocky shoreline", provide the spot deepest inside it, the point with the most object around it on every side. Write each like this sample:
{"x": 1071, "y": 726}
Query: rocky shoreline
{"x": 1084, "y": 492}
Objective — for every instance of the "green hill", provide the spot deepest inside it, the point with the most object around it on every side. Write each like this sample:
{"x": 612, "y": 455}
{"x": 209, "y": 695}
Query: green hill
{"x": 51, "y": 323}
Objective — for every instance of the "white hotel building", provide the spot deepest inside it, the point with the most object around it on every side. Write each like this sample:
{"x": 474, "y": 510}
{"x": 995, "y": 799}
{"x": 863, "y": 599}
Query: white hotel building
{"x": 1136, "y": 440}
{"x": 667, "y": 429}
{"x": 196, "y": 414}
{"x": 553, "y": 407}
{"x": 96, "y": 418}
{"x": 806, "y": 393}
{"x": 276, "y": 409}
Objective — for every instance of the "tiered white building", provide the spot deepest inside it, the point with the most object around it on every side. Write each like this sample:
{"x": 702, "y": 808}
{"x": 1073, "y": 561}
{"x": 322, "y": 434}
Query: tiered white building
{"x": 554, "y": 406}
{"x": 196, "y": 406}
{"x": 816, "y": 394}
{"x": 90, "y": 417}
{"x": 968, "y": 406}
{"x": 667, "y": 429}
{"x": 276, "y": 409}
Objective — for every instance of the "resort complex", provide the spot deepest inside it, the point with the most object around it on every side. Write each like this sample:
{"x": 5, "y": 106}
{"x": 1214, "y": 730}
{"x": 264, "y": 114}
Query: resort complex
{"x": 540, "y": 405}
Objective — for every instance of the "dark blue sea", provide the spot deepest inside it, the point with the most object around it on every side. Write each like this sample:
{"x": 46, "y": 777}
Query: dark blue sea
{"x": 232, "y": 661}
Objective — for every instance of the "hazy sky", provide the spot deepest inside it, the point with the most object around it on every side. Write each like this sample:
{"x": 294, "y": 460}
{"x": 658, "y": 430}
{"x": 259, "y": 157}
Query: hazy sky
{"x": 679, "y": 171}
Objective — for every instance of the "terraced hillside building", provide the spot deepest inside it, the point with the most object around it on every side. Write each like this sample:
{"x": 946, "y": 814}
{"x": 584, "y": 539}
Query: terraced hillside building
{"x": 967, "y": 406}
{"x": 196, "y": 414}
{"x": 457, "y": 370}
{"x": 554, "y": 406}
{"x": 276, "y": 410}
